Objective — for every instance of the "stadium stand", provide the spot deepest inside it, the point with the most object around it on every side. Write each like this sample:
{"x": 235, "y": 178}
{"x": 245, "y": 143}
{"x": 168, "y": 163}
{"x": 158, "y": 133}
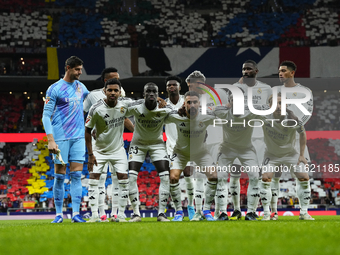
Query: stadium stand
{"x": 154, "y": 23}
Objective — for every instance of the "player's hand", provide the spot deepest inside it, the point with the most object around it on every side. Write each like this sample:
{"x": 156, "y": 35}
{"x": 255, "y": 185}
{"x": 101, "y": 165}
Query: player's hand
{"x": 52, "y": 147}
{"x": 291, "y": 115}
{"x": 92, "y": 161}
{"x": 94, "y": 134}
{"x": 181, "y": 111}
{"x": 161, "y": 102}
{"x": 303, "y": 160}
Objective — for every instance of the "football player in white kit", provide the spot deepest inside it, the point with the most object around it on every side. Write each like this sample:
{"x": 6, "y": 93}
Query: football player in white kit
{"x": 260, "y": 95}
{"x": 287, "y": 70}
{"x": 176, "y": 101}
{"x": 196, "y": 82}
{"x": 148, "y": 137}
{"x": 280, "y": 151}
{"x": 107, "y": 116}
{"x": 93, "y": 97}
{"x": 190, "y": 146}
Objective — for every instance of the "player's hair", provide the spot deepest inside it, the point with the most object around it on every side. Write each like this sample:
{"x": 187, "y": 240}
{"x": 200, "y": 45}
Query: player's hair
{"x": 249, "y": 61}
{"x": 271, "y": 97}
{"x": 113, "y": 81}
{"x": 149, "y": 84}
{"x": 106, "y": 72}
{"x": 192, "y": 94}
{"x": 175, "y": 78}
{"x": 73, "y": 61}
{"x": 194, "y": 76}
{"x": 290, "y": 65}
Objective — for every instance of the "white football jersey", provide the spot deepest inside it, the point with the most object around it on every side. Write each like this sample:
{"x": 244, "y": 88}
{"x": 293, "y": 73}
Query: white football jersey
{"x": 109, "y": 123}
{"x": 214, "y": 133}
{"x": 309, "y": 105}
{"x": 236, "y": 133}
{"x": 280, "y": 140}
{"x": 191, "y": 132}
{"x": 170, "y": 128}
{"x": 94, "y": 96}
{"x": 148, "y": 124}
{"x": 261, "y": 93}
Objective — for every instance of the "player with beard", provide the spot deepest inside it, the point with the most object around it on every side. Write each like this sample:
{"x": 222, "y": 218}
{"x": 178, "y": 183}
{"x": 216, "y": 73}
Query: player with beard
{"x": 175, "y": 100}
{"x": 190, "y": 146}
{"x": 63, "y": 121}
{"x": 281, "y": 151}
{"x": 196, "y": 82}
{"x": 148, "y": 137}
{"x": 108, "y": 116}
{"x": 287, "y": 70}
{"x": 91, "y": 99}
{"x": 260, "y": 95}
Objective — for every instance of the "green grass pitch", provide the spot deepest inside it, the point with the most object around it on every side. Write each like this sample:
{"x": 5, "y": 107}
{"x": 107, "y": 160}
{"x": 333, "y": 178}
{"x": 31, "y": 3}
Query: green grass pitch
{"x": 288, "y": 235}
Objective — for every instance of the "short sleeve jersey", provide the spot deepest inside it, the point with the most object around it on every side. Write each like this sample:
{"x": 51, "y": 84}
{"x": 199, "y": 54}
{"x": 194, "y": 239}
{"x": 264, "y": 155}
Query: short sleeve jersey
{"x": 191, "y": 132}
{"x": 148, "y": 124}
{"x": 109, "y": 123}
{"x": 64, "y": 105}
{"x": 170, "y": 128}
{"x": 261, "y": 92}
{"x": 92, "y": 98}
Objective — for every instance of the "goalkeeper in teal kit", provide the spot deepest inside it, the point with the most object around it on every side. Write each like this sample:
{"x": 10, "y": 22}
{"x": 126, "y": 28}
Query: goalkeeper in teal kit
{"x": 63, "y": 120}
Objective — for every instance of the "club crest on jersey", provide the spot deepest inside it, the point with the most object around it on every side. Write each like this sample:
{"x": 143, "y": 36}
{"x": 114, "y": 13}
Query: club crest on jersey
{"x": 122, "y": 110}
{"x": 130, "y": 156}
{"x": 295, "y": 94}
{"x": 88, "y": 119}
{"x": 259, "y": 91}
{"x": 200, "y": 124}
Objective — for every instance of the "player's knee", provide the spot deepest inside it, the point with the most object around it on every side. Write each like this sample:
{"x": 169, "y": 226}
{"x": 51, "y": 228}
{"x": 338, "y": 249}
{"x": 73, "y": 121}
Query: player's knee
{"x": 187, "y": 171}
{"x": 213, "y": 179}
{"x": 266, "y": 179}
{"x": 174, "y": 178}
{"x": 122, "y": 176}
{"x": 95, "y": 176}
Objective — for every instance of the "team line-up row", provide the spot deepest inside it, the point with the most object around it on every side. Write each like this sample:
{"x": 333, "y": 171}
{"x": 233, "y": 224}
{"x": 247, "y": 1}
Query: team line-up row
{"x": 192, "y": 141}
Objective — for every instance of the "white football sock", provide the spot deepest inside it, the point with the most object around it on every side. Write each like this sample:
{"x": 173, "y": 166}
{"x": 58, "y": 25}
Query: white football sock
{"x": 234, "y": 188}
{"x": 189, "y": 181}
{"x": 252, "y": 194}
{"x": 275, "y": 187}
{"x": 93, "y": 197}
{"x": 164, "y": 191}
{"x": 115, "y": 194}
{"x": 123, "y": 196}
{"x": 199, "y": 194}
{"x": 176, "y": 196}
{"x": 265, "y": 194}
{"x": 133, "y": 191}
{"x": 101, "y": 196}
{"x": 221, "y": 196}
{"x": 304, "y": 195}
{"x": 209, "y": 194}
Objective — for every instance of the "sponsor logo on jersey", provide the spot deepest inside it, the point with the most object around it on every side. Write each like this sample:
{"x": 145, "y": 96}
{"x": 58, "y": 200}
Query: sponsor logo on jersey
{"x": 47, "y": 100}
{"x": 122, "y": 110}
{"x": 142, "y": 116}
{"x": 158, "y": 115}
{"x": 106, "y": 116}
{"x": 182, "y": 124}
